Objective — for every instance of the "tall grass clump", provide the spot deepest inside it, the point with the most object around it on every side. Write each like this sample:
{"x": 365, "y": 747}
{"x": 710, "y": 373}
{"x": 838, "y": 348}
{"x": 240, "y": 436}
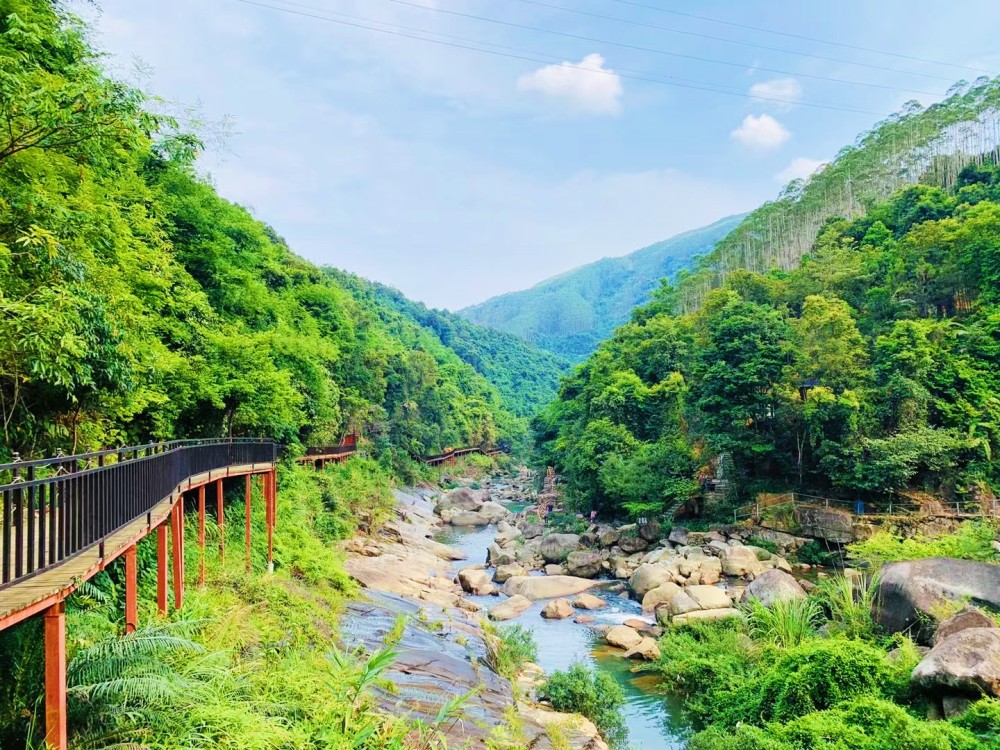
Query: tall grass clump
{"x": 509, "y": 648}
{"x": 593, "y": 694}
{"x": 786, "y": 623}
{"x": 850, "y": 602}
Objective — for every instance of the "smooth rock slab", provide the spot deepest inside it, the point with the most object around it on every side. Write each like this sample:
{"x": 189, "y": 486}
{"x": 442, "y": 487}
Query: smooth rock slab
{"x": 510, "y": 609}
{"x": 773, "y": 586}
{"x": 546, "y": 587}
{"x": 588, "y": 601}
{"x": 559, "y": 609}
{"x": 623, "y": 636}
{"x": 709, "y": 597}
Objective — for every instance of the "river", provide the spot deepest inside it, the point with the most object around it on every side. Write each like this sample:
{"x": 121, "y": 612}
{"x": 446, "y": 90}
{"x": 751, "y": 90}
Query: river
{"x": 655, "y": 721}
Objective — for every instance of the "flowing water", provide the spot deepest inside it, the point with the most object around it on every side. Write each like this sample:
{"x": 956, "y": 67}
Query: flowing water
{"x": 655, "y": 721}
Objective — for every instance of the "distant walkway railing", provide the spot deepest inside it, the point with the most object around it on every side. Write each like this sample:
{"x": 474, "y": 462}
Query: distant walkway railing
{"x": 450, "y": 455}
{"x": 893, "y": 506}
{"x": 56, "y": 508}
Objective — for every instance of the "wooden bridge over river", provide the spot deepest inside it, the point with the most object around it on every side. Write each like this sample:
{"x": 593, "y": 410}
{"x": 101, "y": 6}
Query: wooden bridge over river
{"x": 65, "y": 519}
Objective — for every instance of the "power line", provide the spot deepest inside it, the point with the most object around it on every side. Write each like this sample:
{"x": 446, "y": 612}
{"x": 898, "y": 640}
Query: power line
{"x": 654, "y": 50}
{"x": 798, "y": 36}
{"x": 540, "y": 57}
{"x": 630, "y": 22}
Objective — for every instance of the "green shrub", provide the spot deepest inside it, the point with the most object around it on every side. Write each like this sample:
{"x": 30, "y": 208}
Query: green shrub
{"x": 850, "y": 602}
{"x": 696, "y": 659}
{"x": 509, "y": 648}
{"x": 595, "y": 695}
{"x": 756, "y": 541}
{"x": 785, "y": 623}
{"x": 983, "y": 720}
{"x": 816, "y": 675}
{"x": 971, "y": 541}
{"x": 812, "y": 553}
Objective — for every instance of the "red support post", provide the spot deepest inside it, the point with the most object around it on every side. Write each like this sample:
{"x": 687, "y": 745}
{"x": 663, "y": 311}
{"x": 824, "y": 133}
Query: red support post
{"x": 272, "y": 494}
{"x": 247, "y": 513}
{"x": 177, "y": 530}
{"x": 131, "y": 591}
{"x": 221, "y": 518}
{"x": 55, "y": 677}
{"x": 201, "y": 535}
{"x": 161, "y": 568}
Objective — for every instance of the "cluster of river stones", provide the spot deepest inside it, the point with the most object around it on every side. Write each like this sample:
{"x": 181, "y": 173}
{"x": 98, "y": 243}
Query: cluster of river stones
{"x": 678, "y": 577}
{"x": 683, "y": 575}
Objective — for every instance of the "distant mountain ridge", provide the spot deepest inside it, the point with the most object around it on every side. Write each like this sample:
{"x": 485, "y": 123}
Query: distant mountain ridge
{"x": 571, "y": 313}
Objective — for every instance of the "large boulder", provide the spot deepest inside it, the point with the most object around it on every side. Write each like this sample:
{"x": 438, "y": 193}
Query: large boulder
{"x": 546, "y": 587}
{"x": 475, "y": 581}
{"x": 505, "y": 572}
{"x": 647, "y": 649}
{"x": 497, "y": 556}
{"x": 740, "y": 561}
{"x": 588, "y": 601}
{"x": 652, "y": 575}
{"x": 608, "y": 537}
{"x": 623, "y": 636}
{"x": 555, "y": 548}
{"x": 649, "y": 531}
{"x": 558, "y": 609}
{"x": 532, "y": 530}
{"x": 965, "y": 662}
{"x": 632, "y": 544}
{"x": 583, "y": 564}
{"x": 678, "y": 535}
{"x": 773, "y": 586}
{"x": 662, "y": 594}
{"x": 911, "y": 592}
{"x": 510, "y": 609}
{"x": 969, "y": 617}
{"x": 831, "y": 524}
{"x": 709, "y": 597}
{"x": 461, "y": 499}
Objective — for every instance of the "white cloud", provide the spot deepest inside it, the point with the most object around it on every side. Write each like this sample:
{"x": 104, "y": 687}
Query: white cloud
{"x": 783, "y": 93}
{"x": 800, "y": 168}
{"x": 587, "y": 85}
{"x": 761, "y": 132}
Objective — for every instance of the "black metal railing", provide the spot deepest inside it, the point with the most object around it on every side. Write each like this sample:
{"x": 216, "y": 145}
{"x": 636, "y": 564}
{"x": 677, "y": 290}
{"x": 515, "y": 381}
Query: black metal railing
{"x": 333, "y": 450}
{"x": 56, "y": 508}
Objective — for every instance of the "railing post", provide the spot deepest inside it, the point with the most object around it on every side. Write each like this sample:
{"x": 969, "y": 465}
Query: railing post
{"x": 55, "y": 677}
{"x": 247, "y": 512}
{"x": 201, "y": 535}
{"x": 161, "y": 567}
{"x": 177, "y": 531}
{"x": 221, "y": 518}
{"x": 131, "y": 592}
{"x": 272, "y": 496}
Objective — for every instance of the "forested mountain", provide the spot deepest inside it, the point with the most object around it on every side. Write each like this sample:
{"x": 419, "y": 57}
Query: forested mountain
{"x": 571, "y": 313}
{"x": 137, "y": 304}
{"x": 915, "y": 144}
{"x": 526, "y": 377}
{"x": 872, "y": 367}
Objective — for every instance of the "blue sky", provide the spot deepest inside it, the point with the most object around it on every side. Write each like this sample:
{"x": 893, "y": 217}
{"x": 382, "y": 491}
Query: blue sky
{"x": 456, "y": 175}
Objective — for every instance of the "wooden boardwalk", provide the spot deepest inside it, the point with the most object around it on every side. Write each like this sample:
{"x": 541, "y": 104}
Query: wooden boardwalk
{"x": 31, "y": 595}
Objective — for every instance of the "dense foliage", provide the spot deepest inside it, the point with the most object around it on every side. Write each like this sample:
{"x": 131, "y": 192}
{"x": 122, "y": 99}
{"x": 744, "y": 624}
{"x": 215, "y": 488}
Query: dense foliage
{"x": 871, "y": 368}
{"x": 594, "y": 694}
{"x": 827, "y": 690}
{"x": 526, "y": 377}
{"x": 137, "y": 304}
{"x": 570, "y": 314}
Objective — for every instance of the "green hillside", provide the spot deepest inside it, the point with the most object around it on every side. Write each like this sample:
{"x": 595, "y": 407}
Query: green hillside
{"x": 526, "y": 377}
{"x": 571, "y": 313}
{"x": 137, "y": 304}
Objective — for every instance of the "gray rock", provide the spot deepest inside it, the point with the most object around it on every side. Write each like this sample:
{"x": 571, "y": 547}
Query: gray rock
{"x": 608, "y": 537}
{"x": 555, "y": 548}
{"x": 910, "y": 592}
{"x": 773, "y": 586}
{"x": 461, "y": 499}
{"x": 649, "y": 531}
{"x": 503, "y": 572}
{"x": 583, "y": 564}
{"x": 966, "y": 662}
{"x": 678, "y": 535}
{"x": 632, "y": 544}
{"x": 532, "y": 530}
{"x": 970, "y": 617}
